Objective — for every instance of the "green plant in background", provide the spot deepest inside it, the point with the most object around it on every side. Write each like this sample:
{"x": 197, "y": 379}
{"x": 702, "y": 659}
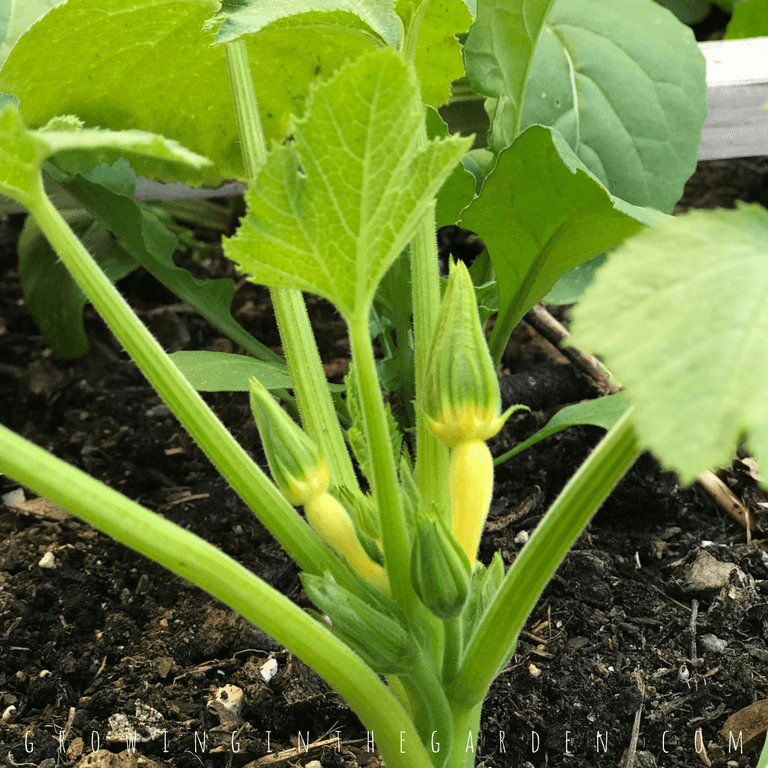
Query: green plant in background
{"x": 694, "y": 11}
{"x": 348, "y": 201}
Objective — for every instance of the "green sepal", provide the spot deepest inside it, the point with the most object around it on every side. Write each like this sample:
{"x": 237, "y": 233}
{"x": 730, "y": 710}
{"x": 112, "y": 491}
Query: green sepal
{"x": 483, "y": 589}
{"x": 372, "y": 625}
{"x": 410, "y": 491}
{"x": 355, "y": 434}
{"x": 293, "y": 457}
{"x": 365, "y": 517}
{"x": 440, "y": 569}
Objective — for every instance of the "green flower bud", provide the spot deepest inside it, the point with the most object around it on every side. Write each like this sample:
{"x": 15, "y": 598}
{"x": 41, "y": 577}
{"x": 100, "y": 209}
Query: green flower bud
{"x": 462, "y": 392}
{"x": 302, "y": 477}
{"x": 293, "y": 457}
{"x": 440, "y": 569}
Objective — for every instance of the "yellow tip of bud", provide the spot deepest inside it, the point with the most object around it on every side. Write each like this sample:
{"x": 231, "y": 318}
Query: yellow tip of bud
{"x": 467, "y": 422}
{"x": 308, "y": 488}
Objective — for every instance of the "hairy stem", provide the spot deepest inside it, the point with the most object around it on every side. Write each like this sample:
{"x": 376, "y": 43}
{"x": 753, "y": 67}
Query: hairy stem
{"x": 431, "y": 454}
{"x": 305, "y": 367}
{"x": 219, "y": 575}
{"x": 252, "y": 485}
{"x": 385, "y": 487}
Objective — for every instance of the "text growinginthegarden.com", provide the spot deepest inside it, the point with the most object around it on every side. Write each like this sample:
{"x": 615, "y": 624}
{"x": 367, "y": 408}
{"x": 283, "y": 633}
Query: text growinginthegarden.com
{"x": 595, "y": 744}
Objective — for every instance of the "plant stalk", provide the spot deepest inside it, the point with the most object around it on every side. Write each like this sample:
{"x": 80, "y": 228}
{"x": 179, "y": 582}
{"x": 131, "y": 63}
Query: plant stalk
{"x": 452, "y": 652}
{"x": 199, "y": 562}
{"x": 305, "y": 367}
{"x": 432, "y": 714}
{"x": 466, "y": 726}
{"x": 385, "y": 487}
{"x": 431, "y": 454}
{"x": 251, "y": 484}
{"x": 495, "y": 638}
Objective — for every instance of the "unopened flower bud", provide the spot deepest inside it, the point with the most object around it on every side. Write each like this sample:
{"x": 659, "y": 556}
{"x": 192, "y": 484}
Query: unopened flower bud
{"x": 302, "y": 477}
{"x": 440, "y": 569}
{"x": 462, "y": 392}
{"x": 292, "y": 455}
{"x": 463, "y": 406}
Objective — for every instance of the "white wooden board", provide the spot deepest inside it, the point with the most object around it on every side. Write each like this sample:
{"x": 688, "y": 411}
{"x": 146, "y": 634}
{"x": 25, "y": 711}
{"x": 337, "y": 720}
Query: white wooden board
{"x": 737, "y": 90}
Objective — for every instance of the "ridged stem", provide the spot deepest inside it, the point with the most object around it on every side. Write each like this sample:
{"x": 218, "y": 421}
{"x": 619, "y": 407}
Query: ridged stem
{"x": 318, "y": 415}
{"x": 219, "y": 575}
{"x": 251, "y": 484}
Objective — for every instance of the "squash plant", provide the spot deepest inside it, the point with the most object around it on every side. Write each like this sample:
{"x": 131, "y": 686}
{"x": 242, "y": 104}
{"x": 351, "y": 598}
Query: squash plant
{"x": 596, "y": 111}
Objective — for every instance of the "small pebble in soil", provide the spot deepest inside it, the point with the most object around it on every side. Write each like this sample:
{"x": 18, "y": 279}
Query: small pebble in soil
{"x": 227, "y": 704}
{"x": 47, "y": 561}
{"x": 713, "y": 643}
{"x": 269, "y": 669}
{"x": 13, "y": 498}
{"x": 147, "y": 724}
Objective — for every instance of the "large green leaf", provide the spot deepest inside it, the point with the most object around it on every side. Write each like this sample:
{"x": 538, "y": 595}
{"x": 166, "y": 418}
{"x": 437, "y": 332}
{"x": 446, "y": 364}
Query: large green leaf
{"x": 150, "y": 64}
{"x": 154, "y": 67}
{"x": 331, "y": 210}
{"x": 622, "y": 80}
{"x": 680, "y": 313}
{"x": 542, "y": 213}
{"x": 750, "y": 19}
{"x": 16, "y": 17}
{"x": 247, "y": 17}
{"x": 22, "y": 151}
{"x": 498, "y": 53}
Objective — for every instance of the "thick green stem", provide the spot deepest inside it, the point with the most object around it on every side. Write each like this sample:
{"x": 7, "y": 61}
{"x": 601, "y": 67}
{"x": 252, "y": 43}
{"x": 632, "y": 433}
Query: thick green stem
{"x": 494, "y": 639}
{"x": 386, "y": 491}
{"x": 431, "y": 454}
{"x": 454, "y": 630}
{"x": 253, "y": 145}
{"x": 305, "y": 367}
{"x": 318, "y": 416}
{"x": 432, "y": 714}
{"x": 466, "y": 736}
{"x": 253, "y": 486}
{"x": 218, "y": 574}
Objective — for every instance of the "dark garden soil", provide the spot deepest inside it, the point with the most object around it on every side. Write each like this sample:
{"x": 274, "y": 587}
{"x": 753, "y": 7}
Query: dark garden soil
{"x": 653, "y": 630}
